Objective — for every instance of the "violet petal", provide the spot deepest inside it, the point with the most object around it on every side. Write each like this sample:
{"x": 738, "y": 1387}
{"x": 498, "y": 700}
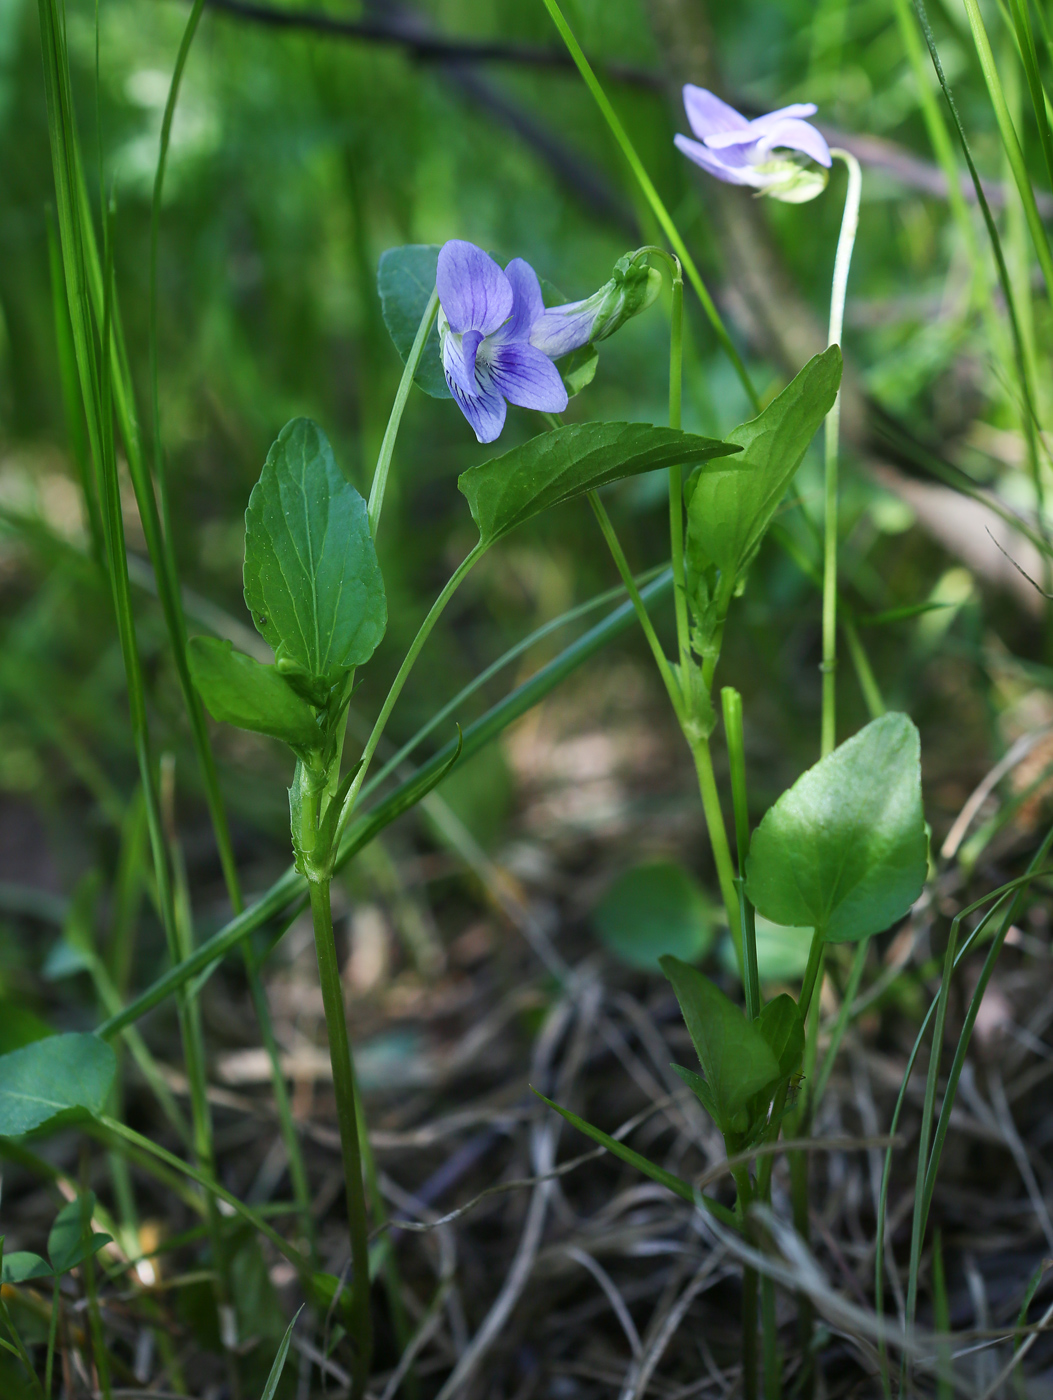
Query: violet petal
{"x": 473, "y": 291}
{"x": 527, "y": 377}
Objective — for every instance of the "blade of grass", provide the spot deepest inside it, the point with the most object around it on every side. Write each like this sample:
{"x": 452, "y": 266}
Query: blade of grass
{"x": 652, "y": 196}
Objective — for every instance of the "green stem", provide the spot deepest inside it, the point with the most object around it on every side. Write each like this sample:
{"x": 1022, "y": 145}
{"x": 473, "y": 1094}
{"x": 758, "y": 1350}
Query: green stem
{"x": 743, "y": 1197}
{"x": 618, "y": 555}
{"x": 731, "y": 702}
{"x": 770, "y": 1341}
{"x": 652, "y": 196}
{"x": 347, "y": 1118}
{"x": 842, "y": 263}
{"x": 416, "y": 646}
{"x": 387, "y": 447}
{"x": 49, "y": 1364}
{"x": 718, "y": 837}
{"x": 699, "y": 744}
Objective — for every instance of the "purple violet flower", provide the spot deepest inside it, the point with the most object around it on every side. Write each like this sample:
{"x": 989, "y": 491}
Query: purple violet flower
{"x": 742, "y": 152}
{"x": 485, "y": 320}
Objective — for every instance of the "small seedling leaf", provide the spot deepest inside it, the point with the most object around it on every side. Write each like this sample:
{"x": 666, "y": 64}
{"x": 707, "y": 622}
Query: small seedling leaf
{"x": 52, "y": 1077}
{"x": 239, "y": 690}
{"x": 567, "y": 462}
{"x": 844, "y": 850}
{"x": 312, "y": 581}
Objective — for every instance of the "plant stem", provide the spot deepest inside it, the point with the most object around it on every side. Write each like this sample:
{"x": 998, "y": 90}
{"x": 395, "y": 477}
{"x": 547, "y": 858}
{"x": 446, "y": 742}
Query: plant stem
{"x": 743, "y": 1197}
{"x": 387, "y": 446}
{"x": 731, "y": 702}
{"x": 347, "y": 1117}
{"x": 416, "y": 646}
{"x": 699, "y": 745}
{"x": 652, "y": 196}
{"x": 842, "y": 263}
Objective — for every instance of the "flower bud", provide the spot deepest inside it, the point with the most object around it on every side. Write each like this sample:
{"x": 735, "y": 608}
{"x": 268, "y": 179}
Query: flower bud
{"x": 561, "y": 329}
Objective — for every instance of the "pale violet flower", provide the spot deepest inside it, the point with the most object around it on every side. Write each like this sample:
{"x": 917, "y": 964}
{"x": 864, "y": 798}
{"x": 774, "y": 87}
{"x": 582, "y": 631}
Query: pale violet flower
{"x": 756, "y": 153}
{"x": 485, "y": 320}
{"x": 498, "y": 340}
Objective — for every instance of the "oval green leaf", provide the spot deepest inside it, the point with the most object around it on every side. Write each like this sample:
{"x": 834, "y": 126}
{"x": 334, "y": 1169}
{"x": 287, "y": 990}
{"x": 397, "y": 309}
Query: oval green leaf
{"x": 654, "y": 909}
{"x": 53, "y": 1076}
{"x": 21, "y": 1266}
{"x": 567, "y": 462}
{"x": 845, "y": 850}
{"x": 312, "y": 581}
{"x": 405, "y": 281}
{"x": 239, "y": 690}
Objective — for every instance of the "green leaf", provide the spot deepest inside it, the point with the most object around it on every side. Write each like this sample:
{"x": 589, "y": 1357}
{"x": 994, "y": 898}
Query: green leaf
{"x": 52, "y": 1076}
{"x": 405, "y": 281}
{"x": 844, "y": 850}
{"x": 676, "y": 1184}
{"x": 700, "y": 1089}
{"x": 783, "y": 1032}
{"x": 312, "y": 581}
{"x": 239, "y": 690}
{"x": 567, "y": 462}
{"x": 72, "y": 1239}
{"x": 729, "y": 511}
{"x": 275, "y": 1376}
{"x": 21, "y": 1266}
{"x": 654, "y": 909}
{"x": 734, "y": 1055}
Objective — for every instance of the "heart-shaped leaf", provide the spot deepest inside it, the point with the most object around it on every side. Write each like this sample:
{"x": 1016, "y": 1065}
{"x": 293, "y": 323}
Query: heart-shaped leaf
{"x": 53, "y": 1076}
{"x": 312, "y": 581}
{"x": 406, "y": 280}
{"x": 735, "y": 1057}
{"x": 72, "y": 1239}
{"x": 239, "y": 690}
{"x": 567, "y": 462}
{"x": 729, "y": 511}
{"x": 844, "y": 850}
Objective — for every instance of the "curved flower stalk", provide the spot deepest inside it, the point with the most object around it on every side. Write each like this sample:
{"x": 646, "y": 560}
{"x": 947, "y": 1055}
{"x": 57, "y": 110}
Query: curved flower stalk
{"x": 755, "y": 153}
{"x": 498, "y": 340}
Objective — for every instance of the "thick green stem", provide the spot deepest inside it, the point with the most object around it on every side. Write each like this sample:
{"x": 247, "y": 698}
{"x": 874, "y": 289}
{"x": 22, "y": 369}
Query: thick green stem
{"x": 387, "y": 447}
{"x": 347, "y": 1118}
{"x": 842, "y": 263}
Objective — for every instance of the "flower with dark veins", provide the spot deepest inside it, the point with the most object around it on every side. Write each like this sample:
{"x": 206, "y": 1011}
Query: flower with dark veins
{"x": 757, "y": 153}
{"x": 485, "y": 320}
